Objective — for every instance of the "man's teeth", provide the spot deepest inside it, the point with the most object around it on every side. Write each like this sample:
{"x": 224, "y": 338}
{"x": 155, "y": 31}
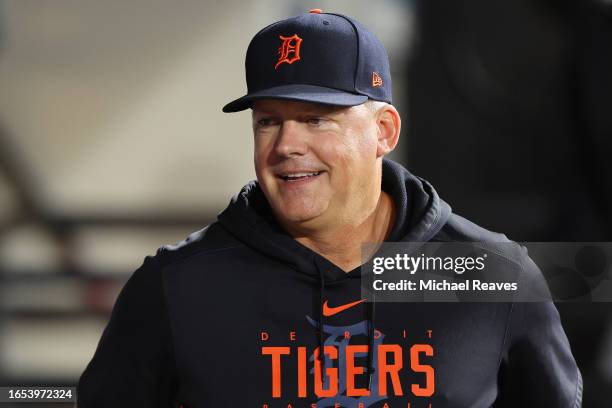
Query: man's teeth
{"x": 300, "y": 175}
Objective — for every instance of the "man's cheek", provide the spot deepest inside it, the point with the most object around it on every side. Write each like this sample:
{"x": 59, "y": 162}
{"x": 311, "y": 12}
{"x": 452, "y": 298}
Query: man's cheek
{"x": 260, "y": 158}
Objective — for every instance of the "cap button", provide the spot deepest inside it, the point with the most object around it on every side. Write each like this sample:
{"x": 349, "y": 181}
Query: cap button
{"x": 315, "y": 11}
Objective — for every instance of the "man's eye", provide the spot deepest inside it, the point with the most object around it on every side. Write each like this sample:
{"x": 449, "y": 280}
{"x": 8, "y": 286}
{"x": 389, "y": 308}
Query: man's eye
{"x": 265, "y": 122}
{"x": 314, "y": 120}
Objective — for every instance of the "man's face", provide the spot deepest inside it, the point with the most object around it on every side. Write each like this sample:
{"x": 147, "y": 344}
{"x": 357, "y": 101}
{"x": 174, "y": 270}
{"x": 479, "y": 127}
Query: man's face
{"x": 316, "y": 164}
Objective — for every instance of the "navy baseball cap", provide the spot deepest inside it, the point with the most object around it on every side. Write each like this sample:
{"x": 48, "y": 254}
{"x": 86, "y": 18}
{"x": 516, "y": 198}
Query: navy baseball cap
{"x": 315, "y": 57}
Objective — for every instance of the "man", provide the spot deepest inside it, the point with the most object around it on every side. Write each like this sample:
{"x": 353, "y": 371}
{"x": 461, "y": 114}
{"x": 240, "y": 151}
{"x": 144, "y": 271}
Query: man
{"x": 263, "y": 307}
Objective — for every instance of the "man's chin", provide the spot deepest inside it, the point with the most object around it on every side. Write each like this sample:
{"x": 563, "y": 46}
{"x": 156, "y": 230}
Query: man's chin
{"x": 299, "y": 218}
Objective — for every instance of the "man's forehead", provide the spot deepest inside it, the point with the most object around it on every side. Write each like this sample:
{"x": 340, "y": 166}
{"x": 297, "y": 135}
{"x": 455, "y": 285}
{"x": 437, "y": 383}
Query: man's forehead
{"x": 279, "y": 105}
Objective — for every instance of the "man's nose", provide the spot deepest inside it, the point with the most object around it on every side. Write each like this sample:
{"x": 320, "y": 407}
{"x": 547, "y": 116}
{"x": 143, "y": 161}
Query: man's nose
{"x": 291, "y": 140}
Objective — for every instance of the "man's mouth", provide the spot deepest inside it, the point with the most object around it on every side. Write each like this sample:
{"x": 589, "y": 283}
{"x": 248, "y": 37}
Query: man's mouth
{"x": 294, "y": 176}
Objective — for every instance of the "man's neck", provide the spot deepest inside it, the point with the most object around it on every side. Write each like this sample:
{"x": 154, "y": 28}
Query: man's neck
{"x": 343, "y": 245}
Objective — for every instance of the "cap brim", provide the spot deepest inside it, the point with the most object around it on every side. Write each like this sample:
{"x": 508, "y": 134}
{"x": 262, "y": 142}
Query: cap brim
{"x": 299, "y": 93}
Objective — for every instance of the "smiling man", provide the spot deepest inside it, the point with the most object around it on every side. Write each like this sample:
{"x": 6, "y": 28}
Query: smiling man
{"x": 263, "y": 307}
{"x": 320, "y": 168}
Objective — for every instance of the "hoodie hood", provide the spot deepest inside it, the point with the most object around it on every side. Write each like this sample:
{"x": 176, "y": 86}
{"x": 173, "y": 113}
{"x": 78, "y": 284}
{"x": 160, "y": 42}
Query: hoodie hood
{"x": 420, "y": 214}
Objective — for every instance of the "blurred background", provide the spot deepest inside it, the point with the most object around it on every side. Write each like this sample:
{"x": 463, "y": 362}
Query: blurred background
{"x": 112, "y": 143}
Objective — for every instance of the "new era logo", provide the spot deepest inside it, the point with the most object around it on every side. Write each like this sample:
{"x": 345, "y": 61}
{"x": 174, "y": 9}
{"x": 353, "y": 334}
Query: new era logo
{"x": 376, "y": 79}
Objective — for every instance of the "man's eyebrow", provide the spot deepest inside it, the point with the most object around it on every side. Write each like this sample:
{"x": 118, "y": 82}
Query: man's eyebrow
{"x": 262, "y": 112}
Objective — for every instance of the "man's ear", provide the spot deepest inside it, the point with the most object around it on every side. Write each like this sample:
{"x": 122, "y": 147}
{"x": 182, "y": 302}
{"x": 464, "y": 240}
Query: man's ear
{"x": 389, "y": 125}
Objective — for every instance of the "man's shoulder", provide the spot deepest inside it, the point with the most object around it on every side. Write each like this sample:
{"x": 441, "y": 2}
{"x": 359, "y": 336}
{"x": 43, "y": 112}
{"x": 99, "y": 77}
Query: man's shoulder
{"x": 211, "y": 238}
{"x": 503, "y": 254}
{"x": 460, "y": 229}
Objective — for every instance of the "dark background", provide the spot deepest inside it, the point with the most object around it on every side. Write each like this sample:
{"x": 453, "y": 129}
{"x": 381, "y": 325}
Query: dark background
{"x": 511, "y": 119}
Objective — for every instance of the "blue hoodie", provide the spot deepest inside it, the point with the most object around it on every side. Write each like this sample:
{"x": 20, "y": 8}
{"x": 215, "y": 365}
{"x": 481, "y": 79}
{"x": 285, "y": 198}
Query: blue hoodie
{"x": 236, "y": 316}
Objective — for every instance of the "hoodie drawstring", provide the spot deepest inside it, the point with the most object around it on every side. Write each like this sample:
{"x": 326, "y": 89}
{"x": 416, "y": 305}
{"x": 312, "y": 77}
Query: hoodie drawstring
{"x": 321, "y": 317}
{"x": 371, "y": 328}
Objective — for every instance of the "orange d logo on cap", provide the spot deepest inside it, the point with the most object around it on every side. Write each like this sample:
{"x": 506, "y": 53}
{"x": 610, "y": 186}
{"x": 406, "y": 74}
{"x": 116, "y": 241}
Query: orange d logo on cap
{"x": 289, "y": 51}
